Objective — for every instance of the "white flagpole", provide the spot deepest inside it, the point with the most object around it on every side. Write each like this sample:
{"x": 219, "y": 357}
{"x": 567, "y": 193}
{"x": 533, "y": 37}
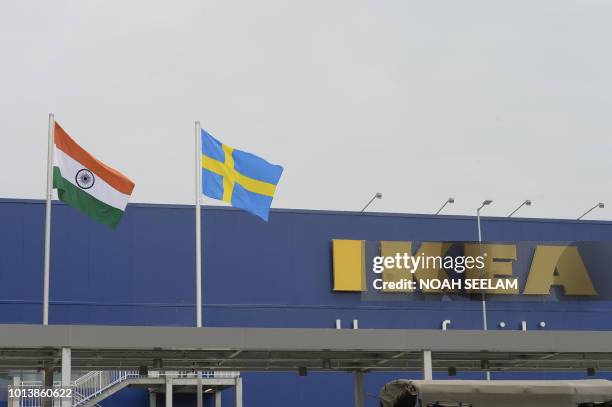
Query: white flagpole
{"x": 48, "y": 219}
{"x": 198, "y": 230}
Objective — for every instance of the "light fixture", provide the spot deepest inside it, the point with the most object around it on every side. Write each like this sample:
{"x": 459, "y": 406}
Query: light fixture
{"x": 486, "y": 202}
{"x": 378, "y": 195}
{"x": 599, "y": 205}
{"x": 450, "y": 200}
{"x": 526, "y": 202}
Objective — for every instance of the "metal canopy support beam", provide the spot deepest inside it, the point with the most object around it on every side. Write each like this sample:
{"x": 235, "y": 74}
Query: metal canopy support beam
{"x": 34, "y": 347}
{"x": 168, "y": 391}
{"x": 218, "y": 398}
{"x": 66, "y": 374}
{"x": 358, "y": 388}
{"x": 238, "y": 387}
{"x": 300, "y": 339}
{"x": 427, "y": 365}
{"x": 152, "y": 399}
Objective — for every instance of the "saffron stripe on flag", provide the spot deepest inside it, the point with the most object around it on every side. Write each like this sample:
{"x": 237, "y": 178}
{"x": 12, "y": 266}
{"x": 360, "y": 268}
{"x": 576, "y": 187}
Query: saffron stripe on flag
{"x": 113, "y": 177}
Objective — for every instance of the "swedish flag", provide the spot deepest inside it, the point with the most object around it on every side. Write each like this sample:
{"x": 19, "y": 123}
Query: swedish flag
{"x": 242, "y": 179}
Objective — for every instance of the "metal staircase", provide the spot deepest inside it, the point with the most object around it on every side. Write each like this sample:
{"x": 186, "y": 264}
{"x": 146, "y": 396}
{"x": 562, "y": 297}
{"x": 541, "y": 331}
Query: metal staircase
{"x": 84, "y": 389}
{"x": 95, "y": 386}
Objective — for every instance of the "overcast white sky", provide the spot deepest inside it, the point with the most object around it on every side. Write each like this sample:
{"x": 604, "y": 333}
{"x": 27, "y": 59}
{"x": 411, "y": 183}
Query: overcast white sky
{"x": 420, "y": 100}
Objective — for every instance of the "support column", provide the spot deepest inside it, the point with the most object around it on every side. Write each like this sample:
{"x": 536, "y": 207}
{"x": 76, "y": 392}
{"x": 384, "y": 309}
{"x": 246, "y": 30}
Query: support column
{"x": 15, "y": 402}
{"x": 66, "y": 374}
{"x": 238, "y": 387}
{"x": 199, "y": 395}
{"x": 218, "y": 398}
{"x": 152, "y": 399}
{"x": 168, "y": 391}
{"x": 48, "y": 384}
{"x": 358, "y": 388}
{"x": 427, "y": 365}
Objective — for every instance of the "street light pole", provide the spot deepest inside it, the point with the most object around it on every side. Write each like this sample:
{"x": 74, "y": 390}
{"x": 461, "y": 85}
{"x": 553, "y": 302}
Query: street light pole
{"x": 526, "y": 202}
{"x": 450, "y": 200}
{"x": 484, "y": 299}
{"x": 378, "y": 195}
{"x": 484, "y": 203}
{"x": 599, "y": 205}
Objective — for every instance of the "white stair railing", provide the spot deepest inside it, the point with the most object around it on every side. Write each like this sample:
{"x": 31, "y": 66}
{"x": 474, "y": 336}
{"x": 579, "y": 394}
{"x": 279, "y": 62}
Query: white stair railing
{"x": 92, "y": 384}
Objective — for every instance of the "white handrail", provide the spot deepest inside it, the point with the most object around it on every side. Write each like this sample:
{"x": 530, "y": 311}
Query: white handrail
{"x": 94, "y": 383}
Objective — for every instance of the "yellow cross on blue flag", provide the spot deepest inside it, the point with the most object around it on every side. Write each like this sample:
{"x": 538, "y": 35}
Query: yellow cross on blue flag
{"x": 242, "y": 179}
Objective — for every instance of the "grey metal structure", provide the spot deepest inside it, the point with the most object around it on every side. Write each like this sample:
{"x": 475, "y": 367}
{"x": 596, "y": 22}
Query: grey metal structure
{"x": 176, "y": 384}
{"x": 79, "y": 347}
{"x": 285, "y": 349}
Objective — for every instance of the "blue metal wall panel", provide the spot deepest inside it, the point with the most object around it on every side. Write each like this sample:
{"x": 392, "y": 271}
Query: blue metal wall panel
{"x": 255, "y": 274}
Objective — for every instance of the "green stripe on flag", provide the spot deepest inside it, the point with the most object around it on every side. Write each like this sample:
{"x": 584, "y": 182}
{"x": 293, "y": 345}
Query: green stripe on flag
{"x": 81, "y": 200}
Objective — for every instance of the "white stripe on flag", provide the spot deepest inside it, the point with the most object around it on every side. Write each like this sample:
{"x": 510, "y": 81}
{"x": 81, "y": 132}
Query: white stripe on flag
{"x": 100, "y": 190}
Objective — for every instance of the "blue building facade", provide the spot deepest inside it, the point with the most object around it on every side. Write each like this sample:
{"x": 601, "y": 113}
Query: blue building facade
{"x": 256, "y": 274}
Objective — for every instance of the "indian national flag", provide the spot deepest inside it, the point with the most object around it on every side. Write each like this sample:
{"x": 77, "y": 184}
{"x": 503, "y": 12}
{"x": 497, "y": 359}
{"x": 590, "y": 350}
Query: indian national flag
{"x": 87, "y": 184}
